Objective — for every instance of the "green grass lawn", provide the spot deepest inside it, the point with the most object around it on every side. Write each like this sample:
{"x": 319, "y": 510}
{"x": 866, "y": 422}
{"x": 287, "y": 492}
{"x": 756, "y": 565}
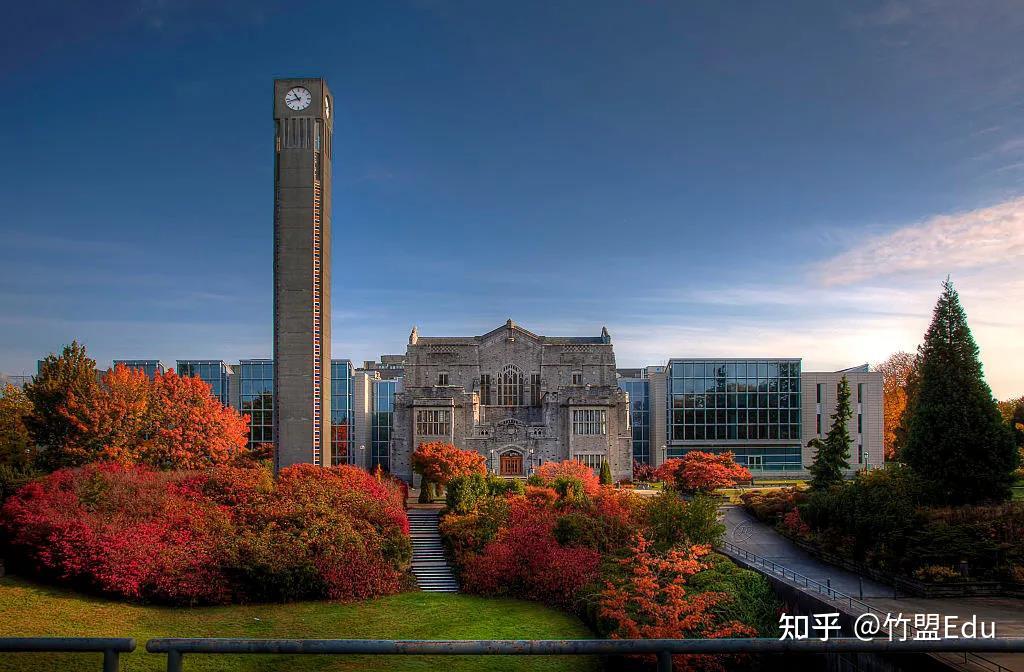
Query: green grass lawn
{"x": 28, "y": 609}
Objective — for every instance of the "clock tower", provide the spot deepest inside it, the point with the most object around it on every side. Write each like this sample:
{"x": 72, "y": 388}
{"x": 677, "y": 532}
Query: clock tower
{"x": 303, "y": 149}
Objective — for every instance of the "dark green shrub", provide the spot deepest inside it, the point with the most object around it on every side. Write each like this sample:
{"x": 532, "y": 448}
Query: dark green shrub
{"x": 753, "y": 601}
{"x": 876, "y": 512}
{"x": 606, "y": 473}
{"x": 580, "y": 529}
{"x": 535, "y": 481}
{"x": 464, "y": 492}
{"x": 570, "y": 489}
{"x": 673, "y": 520}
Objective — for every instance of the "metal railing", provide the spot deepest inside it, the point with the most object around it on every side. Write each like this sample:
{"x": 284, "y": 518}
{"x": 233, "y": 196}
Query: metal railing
{"x": 797, "y": 578}
{"x": 770, "y": 566}
{"x": 110, "y": 647}
{"x": 663, "y": 649}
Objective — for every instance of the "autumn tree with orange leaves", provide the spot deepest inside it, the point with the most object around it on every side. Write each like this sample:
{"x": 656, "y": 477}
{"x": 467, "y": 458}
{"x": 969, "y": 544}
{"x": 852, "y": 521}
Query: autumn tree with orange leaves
{"x": 167, "y": 422}
{"x": 897, "y": 376}
{"x": 703, "y": 472}
{"x": 653, "y": 600}
{"x": 192, "y": 429}
{"x": 112, "y": 423}
{"x": 550, "y": 472}
{"x": 439, "y": 462}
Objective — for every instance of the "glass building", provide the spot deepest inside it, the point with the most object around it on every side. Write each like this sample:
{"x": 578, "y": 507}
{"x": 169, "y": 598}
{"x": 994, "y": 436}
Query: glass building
{"x": 382, "y": 422}
{"x": 639, "y": 416}
{"x": 751, "y": 407}
{"x": 256, "y": 398}
{"x": 214, "y": 373}
{"x": 342, "y": 430}
{"x": 151, "y": 367}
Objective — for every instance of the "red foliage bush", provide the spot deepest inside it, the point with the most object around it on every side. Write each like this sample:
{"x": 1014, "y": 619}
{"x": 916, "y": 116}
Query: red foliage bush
{"x": 643, "y": 472}
{"x": 212, "y": 537}
{"x": 699, "y": 471}
{"x": 550, "y": 472}
{"x": 651, "y": 600}
{"x": 525, "y": 560}
{"x": 793, "y": 522}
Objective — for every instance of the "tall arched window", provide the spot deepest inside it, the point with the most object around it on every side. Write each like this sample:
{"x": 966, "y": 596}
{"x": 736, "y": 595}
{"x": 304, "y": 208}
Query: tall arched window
{"x": 510, "y": 386}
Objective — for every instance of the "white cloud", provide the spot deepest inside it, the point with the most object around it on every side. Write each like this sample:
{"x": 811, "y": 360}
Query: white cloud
{"x": 985, "y": 237}
{"x": 879, "y": 299}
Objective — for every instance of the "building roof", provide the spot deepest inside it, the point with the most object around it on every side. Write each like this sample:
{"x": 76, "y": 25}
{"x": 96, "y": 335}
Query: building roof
{"x": 514, "y": 329}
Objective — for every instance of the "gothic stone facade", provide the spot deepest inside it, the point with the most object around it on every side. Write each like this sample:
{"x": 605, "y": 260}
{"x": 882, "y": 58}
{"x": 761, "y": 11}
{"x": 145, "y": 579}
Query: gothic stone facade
{"x": 517, "y": 398}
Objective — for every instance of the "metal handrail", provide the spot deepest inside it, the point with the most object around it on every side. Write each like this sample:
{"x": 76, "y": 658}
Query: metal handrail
{"x": 835, "y": 595}
{"x": 663, "y": 649}
{"x": 110, "y": 647}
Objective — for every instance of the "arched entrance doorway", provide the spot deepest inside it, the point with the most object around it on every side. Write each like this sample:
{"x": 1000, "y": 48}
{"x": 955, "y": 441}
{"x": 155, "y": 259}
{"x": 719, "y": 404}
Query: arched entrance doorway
{"x": 510, "y": 463}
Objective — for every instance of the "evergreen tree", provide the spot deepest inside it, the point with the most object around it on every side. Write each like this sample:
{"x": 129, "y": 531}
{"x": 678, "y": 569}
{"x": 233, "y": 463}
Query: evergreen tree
{"x": 956, "y": 440}
{"x": 606, "y": 473}
{"x": 72, "y": 375}
{"x": 832, "y": 453}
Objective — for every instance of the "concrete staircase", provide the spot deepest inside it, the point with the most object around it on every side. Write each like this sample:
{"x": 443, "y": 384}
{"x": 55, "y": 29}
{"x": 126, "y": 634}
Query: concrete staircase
{"x": 429, "y": 565}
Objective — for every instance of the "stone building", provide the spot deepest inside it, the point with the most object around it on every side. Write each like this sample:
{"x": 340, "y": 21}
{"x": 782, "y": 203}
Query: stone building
{"x": 517, "y": 398}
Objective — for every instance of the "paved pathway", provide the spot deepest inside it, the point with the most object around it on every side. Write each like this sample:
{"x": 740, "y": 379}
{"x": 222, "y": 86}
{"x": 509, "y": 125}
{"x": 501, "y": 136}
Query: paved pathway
{"x": 1008, "y": 613}
{"x": 752, "y": 535}
{"x": 429, "y": 565}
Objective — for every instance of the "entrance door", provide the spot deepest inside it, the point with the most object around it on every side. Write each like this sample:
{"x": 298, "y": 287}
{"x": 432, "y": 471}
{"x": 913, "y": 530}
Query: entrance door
{"x": 511, "y": 464}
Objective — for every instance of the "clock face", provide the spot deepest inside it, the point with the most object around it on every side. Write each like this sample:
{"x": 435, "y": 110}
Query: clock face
{"x": 327, "y": 108}
{"x": 298, "y": 98}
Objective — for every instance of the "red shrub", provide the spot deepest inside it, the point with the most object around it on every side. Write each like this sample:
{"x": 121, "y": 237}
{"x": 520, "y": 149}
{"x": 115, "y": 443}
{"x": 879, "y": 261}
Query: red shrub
{"x": 643, "y": 472}
{"x": 541, "y": 495}
{"x": 699, "y": 471}
{"x": 652, "y": 601}
{"x": 227, "y": 533}
{"x": 549, "y": 472}
{"x": 795, "y": 524}
{"x": 525, "y": 560}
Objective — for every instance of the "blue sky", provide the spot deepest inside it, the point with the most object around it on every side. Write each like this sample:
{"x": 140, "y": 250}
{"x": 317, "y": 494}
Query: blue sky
{"x": 704, "y": 178}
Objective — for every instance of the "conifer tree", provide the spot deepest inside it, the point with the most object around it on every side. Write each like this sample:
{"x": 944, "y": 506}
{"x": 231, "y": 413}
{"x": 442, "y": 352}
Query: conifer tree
{"x": 956, "y": 440}
{"x": 832, "y": 453}
{"x": 606, "y": 473}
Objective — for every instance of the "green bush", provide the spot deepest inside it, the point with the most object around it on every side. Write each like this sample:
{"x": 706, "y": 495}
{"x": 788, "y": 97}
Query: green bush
{"x": 581, "y": 529}
{"x": 873, "y": 516}
{"x": 464, "y": 492}
{"x": 753, "y": 601}
{"x": 13, "y": 477}
{"x": 606, "y": 473}
{"x": 673, "y": 520}
{"x": 499, "y": 487}
{"x": 570, "y": 488}
{"x": 465, "y": 535}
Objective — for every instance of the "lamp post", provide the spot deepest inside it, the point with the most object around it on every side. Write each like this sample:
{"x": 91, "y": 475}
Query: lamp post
{"x": 362, "y": 458}
{"x": 664, "y": 454}
{"x": 530, "y": 473}
{"x": 494, "y": 453}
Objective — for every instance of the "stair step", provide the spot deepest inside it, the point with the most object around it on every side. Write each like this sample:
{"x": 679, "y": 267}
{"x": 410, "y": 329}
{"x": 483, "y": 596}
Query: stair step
{"x": 429, "y": 562}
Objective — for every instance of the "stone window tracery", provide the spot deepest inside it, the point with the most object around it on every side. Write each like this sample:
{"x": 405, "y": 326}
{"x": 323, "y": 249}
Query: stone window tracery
{"x": 510, "y": 386}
